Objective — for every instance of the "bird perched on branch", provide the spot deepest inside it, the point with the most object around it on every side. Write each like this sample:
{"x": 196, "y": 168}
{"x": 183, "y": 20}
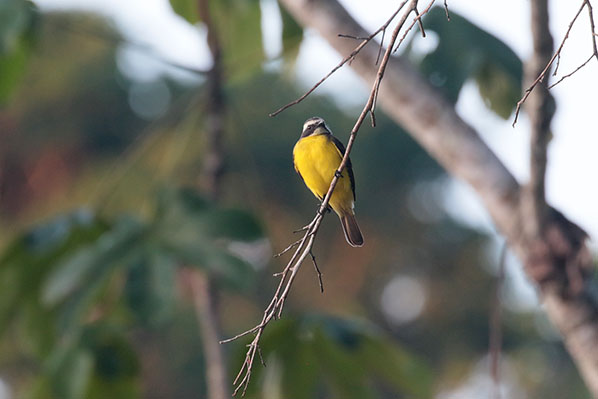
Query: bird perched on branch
{"x": 317, "y": 156}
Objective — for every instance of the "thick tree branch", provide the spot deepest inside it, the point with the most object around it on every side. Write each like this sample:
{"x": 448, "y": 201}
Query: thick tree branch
{"x": 411, "y": 101}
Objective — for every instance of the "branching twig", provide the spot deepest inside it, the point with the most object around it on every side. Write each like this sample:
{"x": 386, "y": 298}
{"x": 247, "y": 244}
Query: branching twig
{"x": 572, "y": 73}
{"x": 415, "y": 20}
{"x": 305, "y": 244}
{"x": 556, "y": 56}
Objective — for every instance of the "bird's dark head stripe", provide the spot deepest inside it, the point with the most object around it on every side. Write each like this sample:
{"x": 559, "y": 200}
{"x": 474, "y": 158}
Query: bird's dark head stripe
{"x": 312, "y": 124}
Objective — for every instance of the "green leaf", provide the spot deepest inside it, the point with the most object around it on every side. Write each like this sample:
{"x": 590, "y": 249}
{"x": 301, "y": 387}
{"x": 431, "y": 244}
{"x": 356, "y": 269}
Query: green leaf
{"x": 498, "y": 89}
{"x": 197, "y": 233}
{"x": 186, "y": 9}
{"x": 232, "y": 224}
{"x": 150, "y": 288}
{"x": 347, "y": 376}
{"x": 292, "y": 35}
{"x": 72, "y": 373}
{"x": 114, "y": 357}
{"x": 401, "y": 370}
{"x": 27, "y": 261}
{"x": 466, "y": 51}
{"x": 230, "y": 269}
{"x": 239, "y": 26}
{"x": 335, "y": 357}
{"x": 118, "y": 246}
{"x": 17, "y": 26}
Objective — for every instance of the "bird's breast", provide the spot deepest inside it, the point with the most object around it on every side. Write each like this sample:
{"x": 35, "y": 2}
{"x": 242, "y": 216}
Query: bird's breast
{"x": 316, "y": 158}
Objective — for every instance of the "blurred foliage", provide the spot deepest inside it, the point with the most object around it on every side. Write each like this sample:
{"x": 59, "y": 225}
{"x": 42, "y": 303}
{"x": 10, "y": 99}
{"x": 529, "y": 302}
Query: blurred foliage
{"x": 240, "y": 30}
{"x": 17, "y": 34}
{"x": 80, "y": 261}
{"x": 91, "y": 305}
{"x": 320, "y": 356}
{"x": 465, "y": 51}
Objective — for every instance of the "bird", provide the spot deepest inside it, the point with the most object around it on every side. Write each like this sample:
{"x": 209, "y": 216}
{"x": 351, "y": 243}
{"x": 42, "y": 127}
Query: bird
{"x": 316, "y": 158}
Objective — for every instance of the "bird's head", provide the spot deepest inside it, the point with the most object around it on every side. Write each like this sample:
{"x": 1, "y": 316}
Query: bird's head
{"x": 314, "y": 126}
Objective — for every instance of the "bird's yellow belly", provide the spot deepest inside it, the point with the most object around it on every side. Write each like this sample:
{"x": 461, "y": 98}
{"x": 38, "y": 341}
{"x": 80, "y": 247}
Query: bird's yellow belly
{"x": 316, "y": 159}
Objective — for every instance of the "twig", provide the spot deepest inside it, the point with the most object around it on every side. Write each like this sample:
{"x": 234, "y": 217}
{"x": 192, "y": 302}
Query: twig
{"x": 353, "y": 37}
{"x": 305, "y": 245}
{"x": 287, "y": 249}
{"x": 313, "y": 260}
{"x": 593, "y": 29}
{"x": 344, "y": 61}
{"x": 446, "y": 10}
{"x": 381, "y": 46}
{"x": 543, "y": 73}
{"x": 416, "y": 19}
{"x": 495, "y": 324}
{"x": 558, "y": 64}
{"x": 572, "y": 73}
{"x": 420, "y": 23}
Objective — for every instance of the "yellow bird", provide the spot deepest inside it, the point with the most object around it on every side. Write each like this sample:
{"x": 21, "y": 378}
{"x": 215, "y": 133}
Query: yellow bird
{"x": 316, "y": 156}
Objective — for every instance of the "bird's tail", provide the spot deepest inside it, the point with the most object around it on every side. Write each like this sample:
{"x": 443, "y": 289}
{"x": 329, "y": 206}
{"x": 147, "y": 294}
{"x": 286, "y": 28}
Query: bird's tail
{"x": 351, "y": 229}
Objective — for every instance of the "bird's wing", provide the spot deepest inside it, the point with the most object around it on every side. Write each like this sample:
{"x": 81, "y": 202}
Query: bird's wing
{"x": 341, "y": 148}
{"x": 297, "y": 170}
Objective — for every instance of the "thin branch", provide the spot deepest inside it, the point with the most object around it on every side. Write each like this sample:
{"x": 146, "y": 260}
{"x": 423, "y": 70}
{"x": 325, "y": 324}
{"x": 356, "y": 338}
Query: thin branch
{"x": 304, "y": 246}
{"x": 353, "y": 37}
{"x": 313, "y": 260}
{"x": 287, "y": 249}
{"x": 344, "y": 61}
{"x": 420, "y": 23}
{"x": 446, "y": 10}
{"x": 558, "y": 64}
{"x": 381, "y": 46}
{"x": 592, "y": 28}
{"x": 572, "y": 73}
{"x": 415, "y": 20}
{"x": 541, "y": 76}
